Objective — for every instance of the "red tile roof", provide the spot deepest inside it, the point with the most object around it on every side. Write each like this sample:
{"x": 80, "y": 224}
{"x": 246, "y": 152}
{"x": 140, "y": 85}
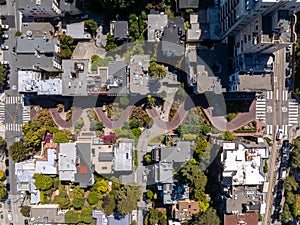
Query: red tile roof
{"x": 82, "y": 169}
{"x": 249, "y": 218}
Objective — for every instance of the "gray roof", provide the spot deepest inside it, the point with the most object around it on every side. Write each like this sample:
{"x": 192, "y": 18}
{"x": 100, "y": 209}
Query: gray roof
{"x": 188, "y": 4}
{"x": 164, "y": 172}
{"x": 46, "y": 214}
{"x": 84, "y": 174}
{"x": 174, "y": 37}
{"x": 76, "y": 31}
{"x": 32, "y": 4}
{"x": 30, "y": 60}
{"x": 178, "y": 154}
{"x": 118, "y": 220}
{"x": 67, "y": 6}
{"x": 47, "y": 166}
{"x": 106, "y": 156}
{"x": 67, "y": 161}
{"x": 25, "y": 45}
{"x": 123, "y": 156}
{"x": 121, "y": 30}
{"x": 74, "y": 77}
{"x": 156, "y": 23}
{"x": 117, "y": 78}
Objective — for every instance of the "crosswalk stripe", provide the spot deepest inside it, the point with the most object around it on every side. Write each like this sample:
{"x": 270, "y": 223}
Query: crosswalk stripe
{"x": 277, "y": 94}
{"x": 269, "y": 94}
{"x": 13, "y": 127}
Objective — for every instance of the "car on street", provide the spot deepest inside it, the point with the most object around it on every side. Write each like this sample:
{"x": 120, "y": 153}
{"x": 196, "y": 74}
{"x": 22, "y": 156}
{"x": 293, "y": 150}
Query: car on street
{"x": 6, "y": 172}
{"x": 283, "y": 173}
{"x": 25, "y": 222}
{"x": 4, "y": 47}
{"x": 3, "y": 2}
{"x": 3, "y": 17}
{"x": 7, "y": 187}
{"x": 6, "y": 162}
{"x": 9, "y": 215}
{"x": 288, "y": 81}
{"x": 5, "y": 63}
{"x": 279, "y": 134}
{"x": 5, "y": 27}
{"x": 4, "y": 36}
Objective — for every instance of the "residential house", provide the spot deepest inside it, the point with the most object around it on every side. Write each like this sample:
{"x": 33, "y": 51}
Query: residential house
{"x": 72, "y": 8}
{"x": 249, "y": 218}
{"x": 75, "y": 163}
{"x": 109, "y": 80}
{"x": 39, "y": 8}
{"x": 243, "y": 176}
{"x": 115, "y": 219}
{"x": 185, "y": 209}
{"x": 140, "y": 81}
{"x": 188, "y": 4}
{"x": 173, "y": 38}
{"x": 24, "y": 172}
{"x": 47, "y": 162}
{"x": 74, "y": 77}
{"x": 119, "y": 29}
{"x": 156, "y": 25}
{"x": 108, "y": 159}
{"x": 37, "y": 52}
{"x": 40, "y": 29}
{"x": 77, "y": 31}
{"x": 46, "y": 214}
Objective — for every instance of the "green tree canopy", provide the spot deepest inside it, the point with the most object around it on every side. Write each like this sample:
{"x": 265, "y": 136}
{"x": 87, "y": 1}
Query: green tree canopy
{"x": 71, "y": 217}
{"x": 25, "y": 211}
{"x": 209, "y": 217}
{"x": 43, "y": 182}
{"x": 124, "y": 101}
{"x": 2, "y": 191}
{"x": 2, "y": 175}
{"x": 154, "y": 217}
{"x": 127, "y": 197}
{"x": 63, "y": 200}
{"x": 286, "y": 214}
{"x": 291, "y": 184}
{"x": 109, "y": 204}
{"x": 93, "y": 198}
{"x": 2, "y": 75}
{"x": 61, "y": 137}
{"x": 19, "y": 152}
{"x": 227, "y": 136}
{"x": 98, "y": 62}
{"x": 157, "y": 70}
{"x": 86, "y": 215}
{"x": 78, "y": 203}
{"x": 91, "y": 26}
{"x": 77, "y": 192}
{"x": 66, "y": 46}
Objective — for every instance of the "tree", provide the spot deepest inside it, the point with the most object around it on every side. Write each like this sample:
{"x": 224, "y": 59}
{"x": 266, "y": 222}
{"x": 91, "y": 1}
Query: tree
{"x": 110, "y": 43}
{"x": 296, "y": 158}
{"x": 91, "y": 26}
{"x": 157, "y": 70}
{"x": 19, "y": 152}
{"x": 25, "y": 210}
{"x": 2, "y": 75}
{"x": 151, "y": 100}
{"x": 61, "y": 137}
{"x": 66, "y": 46}
{"x": 286, "y": 214}
{"x": 108, "y": 204}
{"x": 124, "y": 100}
{"x": 291, "y": 184}
{"x": 79, "y": 123}
{"x": 101, "y": 185}
{"x": 209, "y": 217}
{"x": 45, "y": 118}
{"x": 86, "y": 215}
{"x": 2, "y": 191}
{"x": 78, "y": 203}
{"x": 127, "y": 198}
{"x": 290, "y": 198}
{"x": 149, "y": 194}
{"x": 93, "y": 198}
{"x": 43, "y": 182}
{"x": 266, "y": 168}
{"x": 2, "y": 142}
{"x": 204, "y": 129}
{"x": 71, "y": 217}
{"x": 136, "y": 132}
{"x": 154, "y": 217}
{"x": 148, "y": 159}
{"x": 77, "y": 192}
{"x": 200, "y": 148}
{"x": 2, "y": 174}
{"x": 100, "y": 61}
{"x": 63, "y": 200}
{"x": 227, "y": 136}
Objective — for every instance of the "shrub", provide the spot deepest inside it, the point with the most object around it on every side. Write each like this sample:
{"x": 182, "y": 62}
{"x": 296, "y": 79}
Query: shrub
{"x": 136, "y": 158}
{"x": 25, "y": 211}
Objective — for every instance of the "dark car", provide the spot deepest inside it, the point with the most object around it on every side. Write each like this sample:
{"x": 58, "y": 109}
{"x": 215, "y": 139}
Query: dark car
{"x": 3, "y": 17}
{"x": 280, "y": 185}
{"x": 3, "y": 2}
{"x": 6, "y": 162}
{"x": 25, "y": 222}
{"x": 7, "y": 172}
{"x": 288, "y": 82}
{"x": 7, "y": 187}
{"x": 285, "y": 144}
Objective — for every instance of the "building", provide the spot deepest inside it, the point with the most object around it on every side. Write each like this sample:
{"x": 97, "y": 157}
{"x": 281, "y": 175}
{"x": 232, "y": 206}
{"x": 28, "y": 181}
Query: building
{"x": 173, "y": 38}
{"x": 156, "y": 24}
{"x": 188, "y": 4}
{"x": 75, "y": 163}
{"x": 249, "y": 218}
{"x": 109, "y": 159}
{"x": 119, "y": 30}
{"x": 37, "y": 52}
{"x": 47, "y": 162}
{"x": 46, "y": 214}
{"x": 24, "y": 172}
{"x": 68, "y": 7}
{"x": 74, "y": 77}
{"x": 185, "y": 209}
{"x": 139, "y": 74}
{"x": 115, "y": 219}
{"x": 37, "y": 81}
{"x": 77, "y": 32}
{"x": 39, "y": 8}
{"x": 243, "y": 175}
{"x": 40, "y": 29}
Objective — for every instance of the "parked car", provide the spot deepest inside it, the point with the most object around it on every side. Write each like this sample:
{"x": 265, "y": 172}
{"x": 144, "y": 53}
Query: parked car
{"x": 9, "y": 215}
{"x": 25, "y": 222}
{"x": 283, "y": 173}
{"x": 3, "y": 2}
{"x": 4, "y": 47}
{"x": 7, "y": 187}
{"x": 285, "y": 144}
{"x": 288, "y": 82}
{"x": 287, "y": 56}
{"x": 4, "y": 63}
{"x": 7, "y": 172}
{"x": 5, "y": 27}
{"x": 287, "y": 72}
{"x": 7, "y": 162}
{"x": 3, "y": 17}
{"x": 4, "y": 36}
{"x": 279, "y": 134}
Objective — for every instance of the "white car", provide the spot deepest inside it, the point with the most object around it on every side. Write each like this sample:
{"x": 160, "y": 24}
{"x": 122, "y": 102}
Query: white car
{"x": 279, "y": 134}
{"x": 4, "y": 63}
{"x": 5, "y": 36}
{"x": 9, "y": 215}
{"x": 5, "y": 27}
{"x": 4, "y": 47}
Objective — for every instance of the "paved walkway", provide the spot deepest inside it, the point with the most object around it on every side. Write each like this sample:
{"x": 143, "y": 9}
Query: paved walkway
{"x": 63, "y": 123}
{"x": 86, "y": 120}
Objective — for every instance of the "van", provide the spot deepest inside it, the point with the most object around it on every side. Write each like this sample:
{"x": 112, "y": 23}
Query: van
{"x": 279, "y": 134}
{"x": 283, "y": 173}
